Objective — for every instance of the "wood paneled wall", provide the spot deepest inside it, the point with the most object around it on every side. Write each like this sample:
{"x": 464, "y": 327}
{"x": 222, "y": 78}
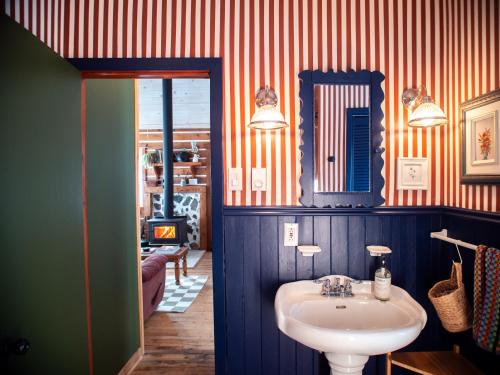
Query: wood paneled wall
{"x": 153, "y": 139}
{"x": 257, "y": 263}
{"x": 452, "y": 47}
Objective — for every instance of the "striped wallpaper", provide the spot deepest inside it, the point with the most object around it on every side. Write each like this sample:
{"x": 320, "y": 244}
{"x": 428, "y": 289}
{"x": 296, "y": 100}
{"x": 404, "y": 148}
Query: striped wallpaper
{"x": 450, "y": 46}
{"x": 331, "y": 102}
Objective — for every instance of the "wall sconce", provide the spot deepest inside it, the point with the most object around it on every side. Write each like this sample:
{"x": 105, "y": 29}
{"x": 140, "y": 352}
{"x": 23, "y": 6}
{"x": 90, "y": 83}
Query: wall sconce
{"x": 424, "y": 113}
{"x": 267, "y": 116}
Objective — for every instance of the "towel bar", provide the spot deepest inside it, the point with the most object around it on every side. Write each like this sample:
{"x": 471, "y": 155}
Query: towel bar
{"x": 443, "y": 236}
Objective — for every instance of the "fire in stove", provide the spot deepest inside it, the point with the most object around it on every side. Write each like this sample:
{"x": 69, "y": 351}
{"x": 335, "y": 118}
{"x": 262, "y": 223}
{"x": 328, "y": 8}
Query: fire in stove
{"x": 164, "y": 231}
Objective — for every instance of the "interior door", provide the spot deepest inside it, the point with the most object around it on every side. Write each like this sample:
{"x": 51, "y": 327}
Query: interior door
{"x": 42, "y": 280}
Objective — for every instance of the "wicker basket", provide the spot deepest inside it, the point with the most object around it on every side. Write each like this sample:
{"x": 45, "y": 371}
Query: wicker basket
{"x": 450, "y": 302}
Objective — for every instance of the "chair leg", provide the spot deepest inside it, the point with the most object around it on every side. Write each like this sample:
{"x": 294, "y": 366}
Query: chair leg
{"x": 388, "y": 364}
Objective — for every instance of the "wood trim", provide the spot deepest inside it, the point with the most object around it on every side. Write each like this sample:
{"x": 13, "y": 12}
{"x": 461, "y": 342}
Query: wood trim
{"x": 138, "y": 218}
{"x": 145, "y": 74}
{"x": 313, "y": 211}
{"x": 88, "y": 310}
{"x": 132, "y": 362}
{"x": 386, "y": 210}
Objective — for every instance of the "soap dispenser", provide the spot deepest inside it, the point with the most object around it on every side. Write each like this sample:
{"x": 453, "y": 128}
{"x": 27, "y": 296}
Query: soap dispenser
{"x": 382, "y": 282}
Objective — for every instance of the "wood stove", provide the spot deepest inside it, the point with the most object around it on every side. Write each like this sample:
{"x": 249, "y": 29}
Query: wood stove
{"x": 169, "y": 229}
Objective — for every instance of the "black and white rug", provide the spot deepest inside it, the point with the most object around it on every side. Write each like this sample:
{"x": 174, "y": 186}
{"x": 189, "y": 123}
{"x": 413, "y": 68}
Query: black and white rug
{"x": 178, "y": 298}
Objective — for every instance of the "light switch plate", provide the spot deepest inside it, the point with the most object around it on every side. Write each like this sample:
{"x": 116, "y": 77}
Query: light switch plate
{"x": 234, "y": 179}
{"x": 291, "y": 234}
{"x": 259, "y": 179}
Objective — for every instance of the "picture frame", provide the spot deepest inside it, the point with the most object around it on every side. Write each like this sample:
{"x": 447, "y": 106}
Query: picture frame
{"x": 412, "y": 173}
{"x": 480, "y": 142}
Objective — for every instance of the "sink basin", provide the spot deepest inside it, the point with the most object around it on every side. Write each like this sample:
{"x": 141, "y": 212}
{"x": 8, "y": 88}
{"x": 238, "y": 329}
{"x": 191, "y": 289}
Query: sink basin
{"x": 348, "y": 329}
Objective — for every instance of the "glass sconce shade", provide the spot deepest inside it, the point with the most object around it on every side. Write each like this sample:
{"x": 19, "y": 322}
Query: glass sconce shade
{"x": 427, "y": 114}
{"x": 267, "y": 116}
{"x": 424, "y": 113}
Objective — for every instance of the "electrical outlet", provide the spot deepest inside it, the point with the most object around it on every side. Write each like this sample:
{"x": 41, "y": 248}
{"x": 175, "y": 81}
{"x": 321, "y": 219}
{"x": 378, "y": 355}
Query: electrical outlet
{"x": 291, "y": 234}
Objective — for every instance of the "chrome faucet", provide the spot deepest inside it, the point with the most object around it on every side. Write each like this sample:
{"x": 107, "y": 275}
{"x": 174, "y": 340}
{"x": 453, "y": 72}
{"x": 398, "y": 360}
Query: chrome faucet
{"x": 337, "y": 289}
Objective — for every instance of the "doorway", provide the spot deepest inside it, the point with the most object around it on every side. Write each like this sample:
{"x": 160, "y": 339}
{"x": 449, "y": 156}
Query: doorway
{"x": 175, "y": 68}
{"x": 173, "y": 178}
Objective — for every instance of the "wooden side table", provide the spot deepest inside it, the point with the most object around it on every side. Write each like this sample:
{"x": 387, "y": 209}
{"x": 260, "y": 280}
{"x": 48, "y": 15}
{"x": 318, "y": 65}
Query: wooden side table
{"x": 176, "y": 257}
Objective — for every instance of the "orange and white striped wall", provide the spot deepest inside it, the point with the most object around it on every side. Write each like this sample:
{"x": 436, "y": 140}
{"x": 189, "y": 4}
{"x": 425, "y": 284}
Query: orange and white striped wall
{"x": 450, "y": 46}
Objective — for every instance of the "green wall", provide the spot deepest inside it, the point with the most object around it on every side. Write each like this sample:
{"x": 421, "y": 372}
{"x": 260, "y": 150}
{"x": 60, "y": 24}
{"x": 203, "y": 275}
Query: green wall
{"x": 41, "y": 220}
{"x": 111, "y": 222}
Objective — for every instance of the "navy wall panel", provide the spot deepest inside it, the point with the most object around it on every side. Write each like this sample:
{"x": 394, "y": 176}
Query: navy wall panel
{"x": 257, "y": 263}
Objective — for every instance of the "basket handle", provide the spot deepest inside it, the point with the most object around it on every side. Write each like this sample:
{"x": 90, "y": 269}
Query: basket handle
{"x": 456, "y": 273}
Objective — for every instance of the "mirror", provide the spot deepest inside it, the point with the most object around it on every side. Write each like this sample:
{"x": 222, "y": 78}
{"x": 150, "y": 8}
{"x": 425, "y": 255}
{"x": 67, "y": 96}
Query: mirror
{"x": 341, "y": 138}
{"x": 342, "y": 133}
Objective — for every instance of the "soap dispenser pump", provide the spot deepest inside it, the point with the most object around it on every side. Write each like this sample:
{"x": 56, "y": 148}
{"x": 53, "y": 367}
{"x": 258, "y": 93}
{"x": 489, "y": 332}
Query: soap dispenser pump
{"x": 382, "y": 282}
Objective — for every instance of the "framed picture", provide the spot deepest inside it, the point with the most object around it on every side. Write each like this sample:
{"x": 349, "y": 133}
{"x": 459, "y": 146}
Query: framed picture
{"x": 481, "y": 139}
{"x": 413, "y": 174}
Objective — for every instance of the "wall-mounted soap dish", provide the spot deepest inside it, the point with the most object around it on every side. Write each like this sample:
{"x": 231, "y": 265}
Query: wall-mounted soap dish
{"x": 308, "y": 250}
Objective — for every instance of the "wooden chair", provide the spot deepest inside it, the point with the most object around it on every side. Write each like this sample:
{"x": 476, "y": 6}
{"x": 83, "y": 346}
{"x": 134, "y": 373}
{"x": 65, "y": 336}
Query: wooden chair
{"x": 432, "y": 363}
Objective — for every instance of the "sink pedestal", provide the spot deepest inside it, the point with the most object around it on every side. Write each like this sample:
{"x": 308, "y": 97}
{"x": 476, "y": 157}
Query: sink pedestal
{"x": 351, "y": 364}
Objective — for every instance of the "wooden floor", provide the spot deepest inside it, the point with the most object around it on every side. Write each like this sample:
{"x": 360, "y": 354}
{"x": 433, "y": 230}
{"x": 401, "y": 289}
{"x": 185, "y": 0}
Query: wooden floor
{"x": 182, "y": 344}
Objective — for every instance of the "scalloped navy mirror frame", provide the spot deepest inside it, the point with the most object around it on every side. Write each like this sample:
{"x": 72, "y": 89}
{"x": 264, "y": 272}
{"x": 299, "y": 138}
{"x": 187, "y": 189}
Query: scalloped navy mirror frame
{"x": 309, "y": 198}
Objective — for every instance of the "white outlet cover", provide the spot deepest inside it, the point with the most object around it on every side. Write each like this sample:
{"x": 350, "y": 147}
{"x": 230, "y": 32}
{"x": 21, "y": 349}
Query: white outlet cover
{"x": 234, "y": 179}
{"x": 291, "y": 234}
{"x": 259, "y": 179}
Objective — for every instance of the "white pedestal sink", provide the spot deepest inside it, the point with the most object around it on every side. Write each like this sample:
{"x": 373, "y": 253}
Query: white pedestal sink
{"x": 348, "y": 329}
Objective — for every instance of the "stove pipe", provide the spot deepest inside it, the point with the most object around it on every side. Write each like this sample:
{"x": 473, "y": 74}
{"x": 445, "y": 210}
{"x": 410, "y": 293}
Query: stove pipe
{"x": 168, "y": 151}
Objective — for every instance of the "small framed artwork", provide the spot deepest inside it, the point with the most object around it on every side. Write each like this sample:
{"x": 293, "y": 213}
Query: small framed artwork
{"x": 481, "y": 139}
{"x": 413, "y": 174}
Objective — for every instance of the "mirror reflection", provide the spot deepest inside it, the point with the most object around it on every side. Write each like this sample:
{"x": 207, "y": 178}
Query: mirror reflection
{"x": 341, "y": 138}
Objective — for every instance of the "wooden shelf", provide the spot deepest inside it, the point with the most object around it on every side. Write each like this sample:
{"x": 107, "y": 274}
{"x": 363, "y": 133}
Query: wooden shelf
{"x": 177, "y": 188}
{"x": 436, "y": 363}
{"x": 183, "y": 164}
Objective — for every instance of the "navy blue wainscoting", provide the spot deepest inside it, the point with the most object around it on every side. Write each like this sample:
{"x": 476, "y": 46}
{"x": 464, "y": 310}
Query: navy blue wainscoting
{"x": 257, "y": 263}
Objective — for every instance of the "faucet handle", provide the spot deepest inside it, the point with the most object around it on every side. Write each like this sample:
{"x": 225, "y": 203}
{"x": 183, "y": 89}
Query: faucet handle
{"x": 348, "y": 286}
{"x": 326, "y": 287}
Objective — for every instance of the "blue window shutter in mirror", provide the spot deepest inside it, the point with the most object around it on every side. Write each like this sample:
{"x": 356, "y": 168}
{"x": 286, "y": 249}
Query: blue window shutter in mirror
{"x": 358, "y": 150}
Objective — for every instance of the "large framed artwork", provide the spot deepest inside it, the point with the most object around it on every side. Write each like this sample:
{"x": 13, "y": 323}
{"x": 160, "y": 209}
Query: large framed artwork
{"x": 481, "y": 139}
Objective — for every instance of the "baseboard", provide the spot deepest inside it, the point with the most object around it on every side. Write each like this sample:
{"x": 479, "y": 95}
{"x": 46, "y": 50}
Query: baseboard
{"x": 132, "y": 362}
